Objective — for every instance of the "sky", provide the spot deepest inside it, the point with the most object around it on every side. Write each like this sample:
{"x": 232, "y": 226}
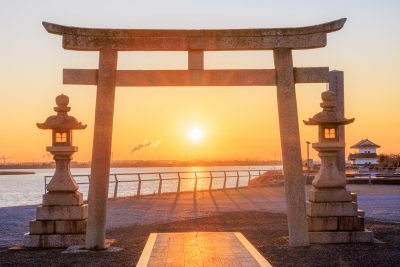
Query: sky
{"x": 234, "y": 122}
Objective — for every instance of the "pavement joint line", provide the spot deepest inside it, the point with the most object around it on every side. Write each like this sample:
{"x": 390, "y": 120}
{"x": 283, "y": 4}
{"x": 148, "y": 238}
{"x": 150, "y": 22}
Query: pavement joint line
{"x": 145, "y": 257}
{"x": 252, "y": 250}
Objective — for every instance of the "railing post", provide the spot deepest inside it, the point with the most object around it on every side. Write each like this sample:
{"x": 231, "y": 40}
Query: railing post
{"x": 139, "y": 185}
{"x": 266, "y": 181}
{"x": 195, "y": 181}
{"x": 179, "y": 183}
{"x": 211, "y": 182}
{"x": 159, "y": 184}
{"x": 224, "y": 180}
{"x": 115, "y": 186}
{"x": 160, "y": 179}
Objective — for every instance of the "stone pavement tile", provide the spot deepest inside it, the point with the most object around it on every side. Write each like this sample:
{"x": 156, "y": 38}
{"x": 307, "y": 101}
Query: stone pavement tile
{"x": 205, "y": 249}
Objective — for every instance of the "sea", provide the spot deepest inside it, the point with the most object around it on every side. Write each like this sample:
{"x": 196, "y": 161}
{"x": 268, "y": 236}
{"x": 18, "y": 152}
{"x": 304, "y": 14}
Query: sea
{"x": 27, "y": 189}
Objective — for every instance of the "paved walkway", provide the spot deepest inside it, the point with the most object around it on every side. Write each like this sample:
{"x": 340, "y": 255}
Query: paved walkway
{"x": 380, "y": 202}
{"x": 211, "y": 249}
{"x": 171, "y": 207}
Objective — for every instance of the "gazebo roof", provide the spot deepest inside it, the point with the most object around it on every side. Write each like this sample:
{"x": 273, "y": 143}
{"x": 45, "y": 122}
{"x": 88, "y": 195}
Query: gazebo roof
{"x": 364, "y": 143}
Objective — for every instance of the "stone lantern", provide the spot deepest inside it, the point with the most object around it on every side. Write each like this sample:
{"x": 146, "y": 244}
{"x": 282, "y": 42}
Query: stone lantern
{"x": 61, "y": 219}
{"x": 62, "y": 125}
{"x": 332, "y": 211}
{"x": 329, "y": 144}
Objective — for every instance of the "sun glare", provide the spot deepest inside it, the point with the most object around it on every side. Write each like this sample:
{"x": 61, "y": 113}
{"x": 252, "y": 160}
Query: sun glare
{"x": 196, "y": 134}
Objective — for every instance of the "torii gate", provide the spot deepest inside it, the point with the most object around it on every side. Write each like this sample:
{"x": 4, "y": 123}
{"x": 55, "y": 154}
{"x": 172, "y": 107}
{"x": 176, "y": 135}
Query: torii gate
{"x": 281, "y": 40}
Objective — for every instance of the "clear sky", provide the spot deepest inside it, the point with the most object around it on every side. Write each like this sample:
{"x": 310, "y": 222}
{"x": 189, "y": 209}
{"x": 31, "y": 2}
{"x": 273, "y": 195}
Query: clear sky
{"x": 235, "y": 122}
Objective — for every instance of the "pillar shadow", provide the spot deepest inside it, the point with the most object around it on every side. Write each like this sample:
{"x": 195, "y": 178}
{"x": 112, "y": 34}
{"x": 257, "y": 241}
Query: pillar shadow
{"x": 232, "y": 200}
{"x": 216, "y": 206}
{"x": 173, "y": 206}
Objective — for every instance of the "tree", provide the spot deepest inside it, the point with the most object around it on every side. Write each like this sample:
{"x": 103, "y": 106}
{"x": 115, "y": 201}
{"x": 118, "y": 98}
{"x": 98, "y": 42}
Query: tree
{"x": 389, "y": 160}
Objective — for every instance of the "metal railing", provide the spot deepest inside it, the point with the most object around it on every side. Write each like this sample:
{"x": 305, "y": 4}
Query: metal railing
{"x": 208, "y": 180}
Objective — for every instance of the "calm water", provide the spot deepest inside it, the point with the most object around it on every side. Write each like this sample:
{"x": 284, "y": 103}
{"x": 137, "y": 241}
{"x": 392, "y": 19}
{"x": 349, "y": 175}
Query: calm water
{"x": 17, "y": 190}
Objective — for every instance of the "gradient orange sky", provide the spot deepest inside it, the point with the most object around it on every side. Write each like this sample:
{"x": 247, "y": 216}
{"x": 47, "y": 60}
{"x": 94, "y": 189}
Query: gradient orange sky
{"x": 238, "y": 122}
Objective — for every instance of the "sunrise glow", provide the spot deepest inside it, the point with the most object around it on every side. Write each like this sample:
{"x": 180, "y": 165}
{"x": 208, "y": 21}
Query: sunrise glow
{"x": 242, "y": 121}
{"x": 196, "y": 134}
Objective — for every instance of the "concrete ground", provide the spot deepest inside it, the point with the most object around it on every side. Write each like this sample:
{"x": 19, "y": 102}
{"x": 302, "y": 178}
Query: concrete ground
{"x": 380, "y": 202}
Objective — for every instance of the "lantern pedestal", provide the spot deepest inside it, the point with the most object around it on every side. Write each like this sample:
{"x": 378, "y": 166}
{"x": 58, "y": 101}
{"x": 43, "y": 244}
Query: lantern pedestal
{"x": 332, "y": 211}
{"x": 61, "y": 219}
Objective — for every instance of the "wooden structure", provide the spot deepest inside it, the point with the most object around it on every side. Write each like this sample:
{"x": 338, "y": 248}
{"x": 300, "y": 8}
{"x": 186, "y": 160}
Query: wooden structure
{"x": 281, "y": 40}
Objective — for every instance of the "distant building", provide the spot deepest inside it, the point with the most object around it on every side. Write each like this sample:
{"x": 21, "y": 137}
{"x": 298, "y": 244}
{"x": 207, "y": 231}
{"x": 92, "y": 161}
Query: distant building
{"x": 365, "y": 153}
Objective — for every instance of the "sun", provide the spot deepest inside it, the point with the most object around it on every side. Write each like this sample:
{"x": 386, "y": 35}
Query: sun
{"x": 195, "y": 134}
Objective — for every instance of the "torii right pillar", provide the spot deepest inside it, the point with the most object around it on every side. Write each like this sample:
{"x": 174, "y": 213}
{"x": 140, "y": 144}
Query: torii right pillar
{"x": 336, "y": 85}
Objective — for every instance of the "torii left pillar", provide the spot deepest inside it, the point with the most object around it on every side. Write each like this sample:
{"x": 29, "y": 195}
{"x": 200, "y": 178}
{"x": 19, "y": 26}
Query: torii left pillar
{"x": 291, "y": 151}
{"x": 101, "y": 155}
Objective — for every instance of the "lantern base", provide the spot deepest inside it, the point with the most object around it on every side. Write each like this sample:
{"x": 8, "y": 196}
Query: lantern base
{"x": 333, "y": 217}
{"x": 364, "y": 236}
{"x": 60, "y": 221}
{"x": 53, "y": 241}
{"x": 330, "y": 195}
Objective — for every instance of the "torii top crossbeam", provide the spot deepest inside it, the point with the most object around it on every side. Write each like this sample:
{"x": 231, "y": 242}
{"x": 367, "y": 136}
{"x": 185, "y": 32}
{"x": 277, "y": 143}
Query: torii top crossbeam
{"x": 194, "y": 41}
{"x": 183, "y": 40}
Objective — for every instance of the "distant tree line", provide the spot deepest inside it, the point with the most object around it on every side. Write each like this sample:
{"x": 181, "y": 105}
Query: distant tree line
{"x": 389, "y": 160}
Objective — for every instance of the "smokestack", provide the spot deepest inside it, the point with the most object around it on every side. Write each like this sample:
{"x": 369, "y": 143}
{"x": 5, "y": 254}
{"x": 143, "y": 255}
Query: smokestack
{"x": 154, "y": 142}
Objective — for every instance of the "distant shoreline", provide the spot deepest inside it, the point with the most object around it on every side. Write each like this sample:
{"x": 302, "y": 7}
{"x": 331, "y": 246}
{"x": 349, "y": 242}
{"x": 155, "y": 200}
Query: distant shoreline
{"x": 148, "y": 163}
{"x": 15, "y": 172}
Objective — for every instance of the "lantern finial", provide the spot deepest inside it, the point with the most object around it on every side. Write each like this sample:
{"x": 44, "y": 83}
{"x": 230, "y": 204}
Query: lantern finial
{"x": 328, "y": 101}
{"x": 62, "y": 105}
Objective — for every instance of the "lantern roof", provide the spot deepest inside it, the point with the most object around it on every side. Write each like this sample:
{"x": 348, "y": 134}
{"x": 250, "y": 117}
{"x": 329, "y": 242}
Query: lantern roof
{"x": 328, "y": 115}
{"x": 62, "y": 121}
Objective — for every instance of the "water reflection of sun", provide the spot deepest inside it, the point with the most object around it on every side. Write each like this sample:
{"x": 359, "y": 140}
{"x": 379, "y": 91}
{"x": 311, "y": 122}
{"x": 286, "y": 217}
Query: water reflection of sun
{"x": 203, "y": 180}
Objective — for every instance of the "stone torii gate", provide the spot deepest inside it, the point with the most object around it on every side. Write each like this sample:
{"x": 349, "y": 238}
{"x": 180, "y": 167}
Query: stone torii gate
{"x": 281, "y": 40}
